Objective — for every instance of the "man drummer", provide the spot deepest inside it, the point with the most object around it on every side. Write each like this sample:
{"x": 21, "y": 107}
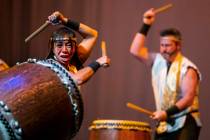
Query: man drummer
{"x": 64, "y": 48}
{"x": 175, "y": 81}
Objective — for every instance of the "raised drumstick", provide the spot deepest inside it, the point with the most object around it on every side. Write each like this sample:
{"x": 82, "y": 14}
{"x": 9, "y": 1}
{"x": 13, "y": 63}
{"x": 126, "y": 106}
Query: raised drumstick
{"x": 41, "y": 28}
{"x": 135, "y": 107}
{"x": 163, "y": 8}
{"x": 103, "y": 50}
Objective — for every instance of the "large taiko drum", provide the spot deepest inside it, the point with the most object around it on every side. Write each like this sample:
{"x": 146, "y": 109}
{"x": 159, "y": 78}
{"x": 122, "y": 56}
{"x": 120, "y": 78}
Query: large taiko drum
{"x": 39, "y": 101}
{"x": 119, "y": 130}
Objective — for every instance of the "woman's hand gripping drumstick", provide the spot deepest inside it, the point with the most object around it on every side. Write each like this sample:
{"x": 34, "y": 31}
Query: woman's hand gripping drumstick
{"x": 54, "y": 19}
{"x": 104, "y": 60}
{"x": 104, "y": 52}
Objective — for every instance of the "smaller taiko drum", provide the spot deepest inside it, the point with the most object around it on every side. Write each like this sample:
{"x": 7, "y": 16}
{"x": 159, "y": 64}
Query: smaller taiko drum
{"x": 119, "y": 130}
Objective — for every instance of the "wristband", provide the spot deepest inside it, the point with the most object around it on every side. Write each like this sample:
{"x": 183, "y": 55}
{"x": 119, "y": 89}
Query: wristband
{"x": 144, "y": 29}
{"x": 172, "y": 110}
{"x": 72, "y": 24}
{"x": 94, "y": 66}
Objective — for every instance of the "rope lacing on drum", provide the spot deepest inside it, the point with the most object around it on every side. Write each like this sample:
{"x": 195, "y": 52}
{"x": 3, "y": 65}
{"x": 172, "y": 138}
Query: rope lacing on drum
{"x": 10, "y": 124}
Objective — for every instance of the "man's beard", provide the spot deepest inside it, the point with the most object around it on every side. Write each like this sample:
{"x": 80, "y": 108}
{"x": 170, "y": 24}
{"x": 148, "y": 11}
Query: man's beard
{"x": 168, "y": 55}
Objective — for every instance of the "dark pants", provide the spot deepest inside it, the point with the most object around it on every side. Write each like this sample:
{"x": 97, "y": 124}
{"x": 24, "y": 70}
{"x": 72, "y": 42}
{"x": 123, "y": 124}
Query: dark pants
{"x": 190, "y": 131}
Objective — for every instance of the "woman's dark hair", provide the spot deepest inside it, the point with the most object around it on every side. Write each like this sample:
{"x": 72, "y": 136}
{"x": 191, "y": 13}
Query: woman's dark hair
{"x": 58, "y": 35}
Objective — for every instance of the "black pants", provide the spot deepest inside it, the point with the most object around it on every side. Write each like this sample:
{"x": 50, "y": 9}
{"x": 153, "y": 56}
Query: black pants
{"x": 190, "y": 131}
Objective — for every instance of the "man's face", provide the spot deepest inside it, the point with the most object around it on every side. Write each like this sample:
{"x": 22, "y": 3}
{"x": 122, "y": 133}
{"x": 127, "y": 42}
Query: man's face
{"x": 64, "y": 50}
{"x": 169, "y": 47}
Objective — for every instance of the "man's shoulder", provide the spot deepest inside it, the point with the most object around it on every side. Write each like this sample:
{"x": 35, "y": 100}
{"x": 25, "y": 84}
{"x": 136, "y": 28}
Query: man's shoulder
{"x": 189, "y": 65}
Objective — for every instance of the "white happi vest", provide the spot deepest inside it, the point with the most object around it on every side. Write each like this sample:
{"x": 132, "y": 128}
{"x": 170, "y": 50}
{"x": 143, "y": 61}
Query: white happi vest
{"x": 166, "y": 87}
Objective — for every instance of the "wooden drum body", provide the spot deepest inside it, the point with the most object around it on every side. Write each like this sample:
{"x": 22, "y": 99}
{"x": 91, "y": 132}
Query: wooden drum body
{"x": 39, "y": 100}
{"x": 119, "y": 130}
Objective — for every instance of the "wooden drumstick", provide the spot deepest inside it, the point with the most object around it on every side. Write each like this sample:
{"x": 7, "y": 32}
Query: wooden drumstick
{"x": 135, "y": 107}
{"x": 163, "y": 8}
{"x": 41, "y": 28}
{"x": 103, "y": 50}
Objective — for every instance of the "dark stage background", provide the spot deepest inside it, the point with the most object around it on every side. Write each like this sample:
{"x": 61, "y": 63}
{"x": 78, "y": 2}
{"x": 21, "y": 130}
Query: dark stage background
{"x": 126, "y": 80}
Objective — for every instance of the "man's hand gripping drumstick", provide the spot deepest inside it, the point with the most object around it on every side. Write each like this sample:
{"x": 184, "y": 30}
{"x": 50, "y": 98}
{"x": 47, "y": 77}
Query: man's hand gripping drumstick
{"x": 159, "y": 10}
{"x": 152, "y": 114}
{"x": 149, "y": 16}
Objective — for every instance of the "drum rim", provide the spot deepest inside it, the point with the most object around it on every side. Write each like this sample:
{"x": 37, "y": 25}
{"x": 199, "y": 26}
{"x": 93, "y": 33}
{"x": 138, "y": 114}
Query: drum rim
{"x": 120, "y": 124}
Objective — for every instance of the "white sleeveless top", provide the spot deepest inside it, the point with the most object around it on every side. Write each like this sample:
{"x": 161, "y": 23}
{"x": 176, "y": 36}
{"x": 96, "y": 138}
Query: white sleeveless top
{"x": 166, "y": 87}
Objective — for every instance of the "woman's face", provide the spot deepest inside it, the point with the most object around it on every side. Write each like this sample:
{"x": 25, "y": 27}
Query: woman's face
{"x": 64, "y": 50}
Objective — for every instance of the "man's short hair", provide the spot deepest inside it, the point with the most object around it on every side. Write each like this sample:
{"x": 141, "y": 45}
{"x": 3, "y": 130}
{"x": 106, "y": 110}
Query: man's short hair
{"x": 172, "y": 32}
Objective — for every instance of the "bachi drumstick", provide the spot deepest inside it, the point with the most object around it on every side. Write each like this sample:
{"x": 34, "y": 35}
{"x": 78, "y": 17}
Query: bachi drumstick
{"x": 163, "y": 8}
{"x": 137, "y": 108}
{"x": 41, "y": 28}
{"x": 103, "y": 50}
